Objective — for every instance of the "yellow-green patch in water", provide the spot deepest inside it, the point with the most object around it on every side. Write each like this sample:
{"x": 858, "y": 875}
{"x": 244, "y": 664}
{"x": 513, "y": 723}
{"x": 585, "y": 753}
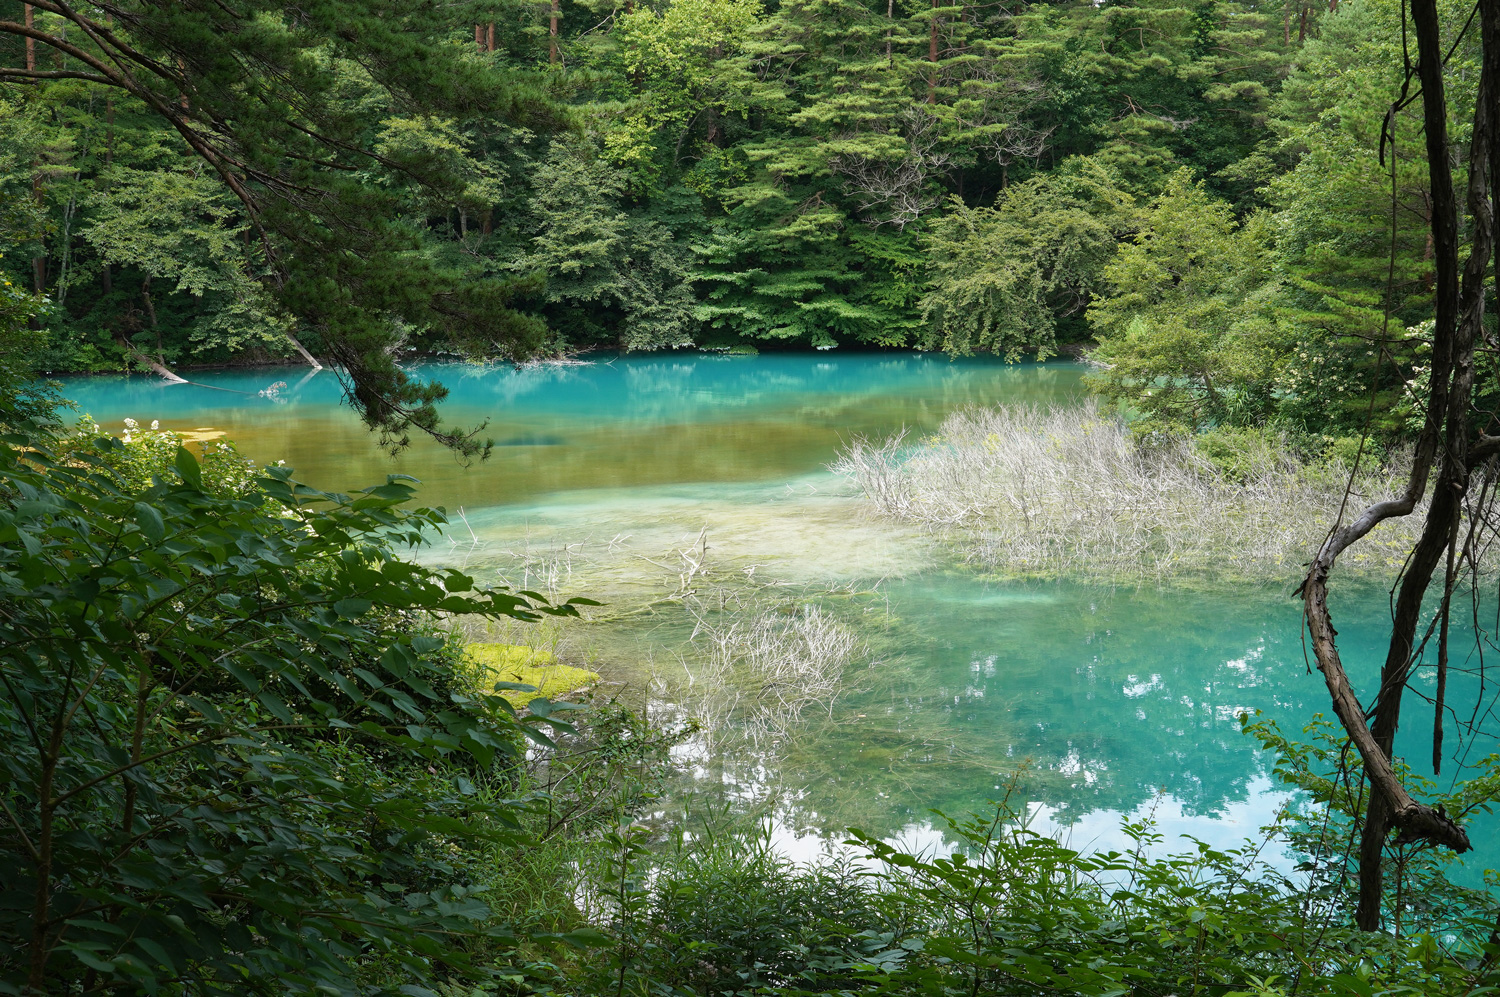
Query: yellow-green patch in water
{"x": 526, "y": 666}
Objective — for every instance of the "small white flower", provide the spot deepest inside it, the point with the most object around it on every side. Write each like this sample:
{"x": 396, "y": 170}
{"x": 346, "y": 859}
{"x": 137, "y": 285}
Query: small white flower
{"x": 155, "y": 424}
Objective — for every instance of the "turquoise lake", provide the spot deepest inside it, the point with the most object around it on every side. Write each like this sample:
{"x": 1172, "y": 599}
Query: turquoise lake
{"x": 690, "y": 494}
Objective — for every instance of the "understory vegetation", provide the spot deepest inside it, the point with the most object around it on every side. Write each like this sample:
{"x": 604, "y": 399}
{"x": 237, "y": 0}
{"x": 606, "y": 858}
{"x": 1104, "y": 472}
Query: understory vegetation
{"x": 1076, "y": 492}
{"x": 1007, "y": 911}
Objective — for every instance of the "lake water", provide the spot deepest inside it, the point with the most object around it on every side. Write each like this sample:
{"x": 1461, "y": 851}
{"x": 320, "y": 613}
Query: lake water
{"x": 690, "y": 494}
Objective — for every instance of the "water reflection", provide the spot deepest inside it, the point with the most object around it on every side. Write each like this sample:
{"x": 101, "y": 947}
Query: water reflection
{"x": 1087, "y": 699}
{"x": 614, "y": 423}
{"x": 1080, "y": 703}
{"x": 1098, "y": 830}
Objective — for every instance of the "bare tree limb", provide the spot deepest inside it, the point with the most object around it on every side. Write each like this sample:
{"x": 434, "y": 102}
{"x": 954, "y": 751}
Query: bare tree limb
{"x": 1443, "y": 442}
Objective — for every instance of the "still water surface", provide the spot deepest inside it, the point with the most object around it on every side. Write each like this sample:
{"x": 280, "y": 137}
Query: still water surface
{"x": 692, "y": 490}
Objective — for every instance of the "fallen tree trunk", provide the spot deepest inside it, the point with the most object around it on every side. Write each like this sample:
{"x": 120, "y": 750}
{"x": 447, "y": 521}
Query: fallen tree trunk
{"x": 156, "y": 366}
{"x": 312, "y": 361}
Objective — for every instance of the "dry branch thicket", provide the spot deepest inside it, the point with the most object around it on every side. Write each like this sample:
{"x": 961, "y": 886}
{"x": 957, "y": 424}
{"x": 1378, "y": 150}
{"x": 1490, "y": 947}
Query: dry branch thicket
{"x": 765, "y": 672}
{"x": 1068, "y": 491}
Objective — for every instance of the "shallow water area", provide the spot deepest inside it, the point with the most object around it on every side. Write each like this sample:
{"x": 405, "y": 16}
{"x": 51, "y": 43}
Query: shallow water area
{"x": 613, "y": 423}
{"x": 630, "y": 542}
{"x": 690, "y": 494}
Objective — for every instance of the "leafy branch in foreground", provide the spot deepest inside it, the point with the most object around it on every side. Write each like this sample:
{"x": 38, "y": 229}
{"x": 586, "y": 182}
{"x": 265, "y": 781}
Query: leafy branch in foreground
{"x": 287, "y": 107}
{"x": 189, "y": 676}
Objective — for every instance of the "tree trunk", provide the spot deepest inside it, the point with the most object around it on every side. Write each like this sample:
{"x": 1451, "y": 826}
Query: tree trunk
{"x": 890, "y": 16}
{"x": 183, "y": 100}
{"x": 38, "y": 262}
{"x": 552, "y": 36}
{"x": 109, "y": 116}
{"x": 109, "y": 161}
{"x": 154, "y": 365}
{"x": 312, "y": 361}
{"x": 150, "y": 305}
{"x": 1459, "y": 319}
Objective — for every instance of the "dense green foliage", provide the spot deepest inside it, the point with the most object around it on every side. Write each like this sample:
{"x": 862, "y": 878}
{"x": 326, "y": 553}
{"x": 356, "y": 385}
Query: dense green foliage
{"x": 244, "y": 754}
{"x": 1004, "y": 910}
{"x": 1193, "y": 188}
{"x": 1308, "y": 311}
{"x": 206, "y": 181}
{"x": 237, "y": 756}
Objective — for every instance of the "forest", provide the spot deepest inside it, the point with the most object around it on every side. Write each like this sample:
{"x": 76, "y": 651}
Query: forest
{"x": 259, "y": 742}
{"x": 502, "y": 181}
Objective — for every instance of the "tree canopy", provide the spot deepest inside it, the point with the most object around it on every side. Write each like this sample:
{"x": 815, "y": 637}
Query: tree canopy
{"x": 359, "y": 182}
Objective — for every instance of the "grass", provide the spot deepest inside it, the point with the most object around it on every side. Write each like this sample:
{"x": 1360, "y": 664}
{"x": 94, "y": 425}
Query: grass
{"x": 1069, "y": 492}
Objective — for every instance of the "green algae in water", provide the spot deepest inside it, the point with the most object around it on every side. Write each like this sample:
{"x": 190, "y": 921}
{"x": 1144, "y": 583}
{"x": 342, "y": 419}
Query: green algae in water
{"x": 524, "y": 666}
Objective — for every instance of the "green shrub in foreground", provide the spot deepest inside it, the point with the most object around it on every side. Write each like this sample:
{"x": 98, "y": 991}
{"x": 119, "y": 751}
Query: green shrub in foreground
{"x": 1003, "y": 911}
{"x": 236, "y": 759}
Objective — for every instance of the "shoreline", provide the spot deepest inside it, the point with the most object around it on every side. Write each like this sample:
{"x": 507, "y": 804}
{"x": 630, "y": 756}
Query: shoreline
{"x": 1070, "y": 354}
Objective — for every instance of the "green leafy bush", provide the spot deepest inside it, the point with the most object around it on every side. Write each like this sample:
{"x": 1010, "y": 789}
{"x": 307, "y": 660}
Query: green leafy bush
{"x": 1001, "y": 909}
{"x": 147, "y": 454}
{"x": 1245, "y": 453}
{"x": 237, "y": 761}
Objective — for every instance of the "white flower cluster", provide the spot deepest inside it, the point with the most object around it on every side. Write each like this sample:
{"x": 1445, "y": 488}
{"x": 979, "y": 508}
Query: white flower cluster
{"x": 132, "y": 427}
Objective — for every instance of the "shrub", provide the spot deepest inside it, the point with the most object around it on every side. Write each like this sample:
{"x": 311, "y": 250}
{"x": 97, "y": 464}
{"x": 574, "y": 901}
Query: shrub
{"x": 236, "y": 761}
{"x": 1243, "y": 454}
{"x": 1000, "y": 909}
{"x": 1070, "y": 491}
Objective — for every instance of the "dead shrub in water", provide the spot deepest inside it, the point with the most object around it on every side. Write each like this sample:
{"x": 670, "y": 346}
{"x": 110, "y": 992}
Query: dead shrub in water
{"x": 1069, "y": 491}
{"x": 765, "y": 672}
